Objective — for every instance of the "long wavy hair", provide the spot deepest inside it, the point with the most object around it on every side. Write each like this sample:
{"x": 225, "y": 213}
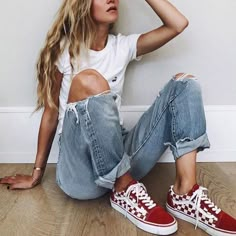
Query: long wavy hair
{"x": 73, "y": 25}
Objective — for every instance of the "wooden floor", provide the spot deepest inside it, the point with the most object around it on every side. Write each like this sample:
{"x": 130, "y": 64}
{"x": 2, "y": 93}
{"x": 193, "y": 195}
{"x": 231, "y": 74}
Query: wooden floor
{"x": 46, "y": 210}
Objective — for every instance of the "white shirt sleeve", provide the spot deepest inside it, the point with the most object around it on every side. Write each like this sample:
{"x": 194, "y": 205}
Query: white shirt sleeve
{"x": 60, "y": 63}
{"x": 132, "y": 40}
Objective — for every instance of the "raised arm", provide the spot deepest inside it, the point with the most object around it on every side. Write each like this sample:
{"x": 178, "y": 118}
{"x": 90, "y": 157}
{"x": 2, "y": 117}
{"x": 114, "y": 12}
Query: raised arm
{"x": 46, "y": 135}
{"x": 173, "y": 24}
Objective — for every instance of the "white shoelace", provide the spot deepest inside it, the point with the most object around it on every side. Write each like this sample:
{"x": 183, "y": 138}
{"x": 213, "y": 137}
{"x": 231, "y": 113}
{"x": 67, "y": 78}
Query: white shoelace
{"x": 202, "y": 196}
{"x": 141, "y": 193}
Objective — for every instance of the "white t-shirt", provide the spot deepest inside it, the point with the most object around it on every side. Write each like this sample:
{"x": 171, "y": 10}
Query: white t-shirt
{"x": 111, "y": 62}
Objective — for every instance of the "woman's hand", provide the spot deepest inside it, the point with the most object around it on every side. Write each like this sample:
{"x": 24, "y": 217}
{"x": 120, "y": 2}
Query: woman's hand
{"x": 20, "y": 181}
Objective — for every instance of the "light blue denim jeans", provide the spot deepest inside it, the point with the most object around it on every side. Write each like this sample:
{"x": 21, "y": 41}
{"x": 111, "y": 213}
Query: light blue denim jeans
{"x": 94, "y": 149}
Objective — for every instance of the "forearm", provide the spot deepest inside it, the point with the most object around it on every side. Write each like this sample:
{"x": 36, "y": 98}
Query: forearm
{"x": 47, "y": 130}
{"x": 168, "y": 14}
{"x": 46, "y": 135}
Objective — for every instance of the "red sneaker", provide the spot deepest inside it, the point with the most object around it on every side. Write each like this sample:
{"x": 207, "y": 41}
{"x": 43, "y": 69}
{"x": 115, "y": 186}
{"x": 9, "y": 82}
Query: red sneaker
{"x": 135, "y": 204}
{"x": 196, "y": 208}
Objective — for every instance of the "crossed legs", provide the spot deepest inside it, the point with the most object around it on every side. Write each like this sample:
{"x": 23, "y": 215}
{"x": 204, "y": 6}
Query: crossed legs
{"x": 90, "y": 82}
{"x": 175, "y": 119}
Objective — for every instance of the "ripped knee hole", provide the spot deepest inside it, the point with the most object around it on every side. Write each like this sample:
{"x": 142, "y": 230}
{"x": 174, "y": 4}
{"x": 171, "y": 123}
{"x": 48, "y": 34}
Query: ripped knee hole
{"x": 181, "y": 76}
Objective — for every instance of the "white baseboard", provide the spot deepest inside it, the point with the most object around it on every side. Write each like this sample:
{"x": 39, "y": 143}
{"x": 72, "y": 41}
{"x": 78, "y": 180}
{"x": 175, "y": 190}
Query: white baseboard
{"x": 19, "y": 130}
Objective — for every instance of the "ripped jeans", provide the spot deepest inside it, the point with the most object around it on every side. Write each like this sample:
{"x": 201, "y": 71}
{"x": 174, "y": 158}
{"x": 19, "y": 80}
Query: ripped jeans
{"x": 94, "y": 149}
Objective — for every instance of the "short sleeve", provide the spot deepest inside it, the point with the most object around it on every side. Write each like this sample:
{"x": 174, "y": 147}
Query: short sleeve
{"x": 132, "y": 40}
{"x": 60, "y": 63}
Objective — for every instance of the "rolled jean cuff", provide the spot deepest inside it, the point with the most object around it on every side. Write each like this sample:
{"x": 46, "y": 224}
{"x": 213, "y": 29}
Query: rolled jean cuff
{"x": 187, "y": 145}
{"x": 108, "y": 180}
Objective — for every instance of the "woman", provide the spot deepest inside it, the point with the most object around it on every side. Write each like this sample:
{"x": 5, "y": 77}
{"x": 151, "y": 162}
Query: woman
{"x": 81, "y": 73}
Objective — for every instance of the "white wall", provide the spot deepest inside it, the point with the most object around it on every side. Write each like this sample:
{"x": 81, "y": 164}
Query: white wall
{"x": 23, "y": 25}
{"x": 19, "y": 130}
{"x": 205, "y": 49}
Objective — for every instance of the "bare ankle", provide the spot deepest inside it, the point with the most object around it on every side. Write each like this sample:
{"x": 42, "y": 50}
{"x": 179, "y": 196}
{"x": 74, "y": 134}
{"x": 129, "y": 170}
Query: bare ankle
{"x": 122, "y": 182}
{"x": 182, "y": 188}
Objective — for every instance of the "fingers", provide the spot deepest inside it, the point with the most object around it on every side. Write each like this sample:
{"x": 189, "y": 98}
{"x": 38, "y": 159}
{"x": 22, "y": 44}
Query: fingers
{"x": 18, "y": 181}
{"x": 12, "y": 179}
{"x": 8, "y": 180}
{"x": 19, "y": 185}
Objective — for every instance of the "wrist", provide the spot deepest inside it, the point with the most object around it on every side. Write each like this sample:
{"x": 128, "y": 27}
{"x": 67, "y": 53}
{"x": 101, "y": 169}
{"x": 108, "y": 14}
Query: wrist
{"x": 39, "y": 168}
{"x": 37, "y": 173}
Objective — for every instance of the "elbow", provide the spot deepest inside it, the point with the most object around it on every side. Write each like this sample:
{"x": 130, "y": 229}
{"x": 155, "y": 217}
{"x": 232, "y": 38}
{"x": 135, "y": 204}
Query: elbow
{"x": 51, "y": 115}
{"x": 181, "y": 27}
{"x": 185, "y": 24}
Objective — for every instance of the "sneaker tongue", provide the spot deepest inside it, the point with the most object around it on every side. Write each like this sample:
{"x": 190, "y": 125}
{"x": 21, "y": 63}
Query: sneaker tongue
{"x": 131, "y": 183}
{"x": 136, "y": 197}
{"x": 194, "y": 188}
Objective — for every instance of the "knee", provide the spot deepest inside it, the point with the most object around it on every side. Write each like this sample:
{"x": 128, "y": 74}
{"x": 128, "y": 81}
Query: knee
{"x": 190, "y": 79}
{"x": 181, "y": 76}
{"x": 191, "y": 86}
{"x": 90, "y": 78}
{"x": 87, "y": 83}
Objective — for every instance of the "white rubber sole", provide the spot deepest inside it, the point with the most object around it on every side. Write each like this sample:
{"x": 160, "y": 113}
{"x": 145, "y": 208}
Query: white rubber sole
{"x": 148, "y": 227}
{"x": 206, "y": 228}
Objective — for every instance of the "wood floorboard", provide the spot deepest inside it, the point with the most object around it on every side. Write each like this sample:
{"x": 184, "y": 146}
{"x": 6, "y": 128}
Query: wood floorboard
{"x": 46, "y": 210}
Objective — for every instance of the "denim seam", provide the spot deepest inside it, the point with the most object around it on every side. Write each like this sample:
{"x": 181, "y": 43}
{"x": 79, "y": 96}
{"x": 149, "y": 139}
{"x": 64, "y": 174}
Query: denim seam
{"x": 100, "y": 165}
{"x": 160, "y": 116}
{"x": 59, "y": 147}
{"x": 151, "y": 131}
{"x": 173, "y": 122}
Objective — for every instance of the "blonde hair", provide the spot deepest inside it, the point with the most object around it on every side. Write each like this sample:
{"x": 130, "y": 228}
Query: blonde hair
{"x": 73, "y": 25}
